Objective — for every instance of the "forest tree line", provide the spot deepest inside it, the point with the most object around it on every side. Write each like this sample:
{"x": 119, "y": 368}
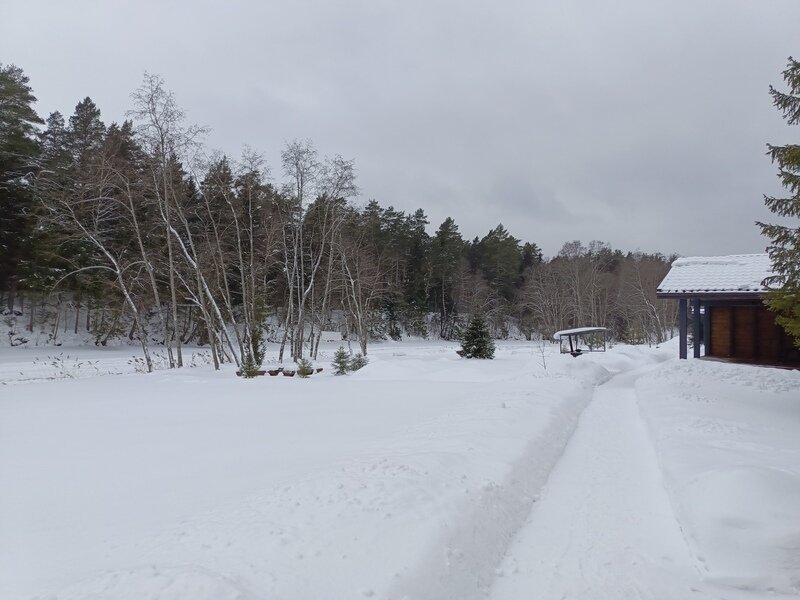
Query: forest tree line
{"x": 142, "y": 232}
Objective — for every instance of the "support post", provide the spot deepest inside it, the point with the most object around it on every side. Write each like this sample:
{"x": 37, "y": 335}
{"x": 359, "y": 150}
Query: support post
{"x": 682, "y": 327}
{"x": 707, "y": 331}
{"x": 696, "y": 326}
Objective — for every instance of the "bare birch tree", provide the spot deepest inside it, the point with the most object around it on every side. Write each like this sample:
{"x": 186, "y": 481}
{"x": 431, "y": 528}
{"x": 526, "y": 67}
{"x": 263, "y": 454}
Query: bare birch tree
{"x": 310, "y": 215}
{"x": 165, "y": 137}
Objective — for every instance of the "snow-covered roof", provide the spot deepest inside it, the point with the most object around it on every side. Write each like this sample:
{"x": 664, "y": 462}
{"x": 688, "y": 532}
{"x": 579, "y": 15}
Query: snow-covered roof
{"x": 578, "y": 331}
{"x": 735, "y": 274}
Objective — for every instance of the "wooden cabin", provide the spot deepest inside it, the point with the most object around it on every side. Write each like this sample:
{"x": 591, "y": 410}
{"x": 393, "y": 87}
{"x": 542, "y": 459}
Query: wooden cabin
{"x": 722, "y": 298}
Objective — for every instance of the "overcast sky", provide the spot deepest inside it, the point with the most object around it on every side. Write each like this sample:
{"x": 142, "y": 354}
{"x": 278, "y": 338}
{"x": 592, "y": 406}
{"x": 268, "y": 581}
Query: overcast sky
{"x": 641, "y": 123}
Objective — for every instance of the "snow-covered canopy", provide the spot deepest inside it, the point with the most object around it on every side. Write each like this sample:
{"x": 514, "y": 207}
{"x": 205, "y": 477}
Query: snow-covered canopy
{"x": 738, "y": 273}
{"x": 577, "y": 331}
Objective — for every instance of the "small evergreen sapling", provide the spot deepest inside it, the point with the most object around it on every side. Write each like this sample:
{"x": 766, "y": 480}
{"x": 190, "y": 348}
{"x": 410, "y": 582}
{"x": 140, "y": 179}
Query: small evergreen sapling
{"x": 249, "y": 366}
{"x": 254, "y": 354}
{"x": 304, "y": 368}
{"x": 477, "y": 343}
{"x": 341, "y": 362}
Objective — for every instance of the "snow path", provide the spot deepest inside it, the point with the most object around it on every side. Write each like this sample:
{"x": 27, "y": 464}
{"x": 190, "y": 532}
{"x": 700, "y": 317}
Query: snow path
{"x": 604, "y": 527}
{"x": 461, "y": 564}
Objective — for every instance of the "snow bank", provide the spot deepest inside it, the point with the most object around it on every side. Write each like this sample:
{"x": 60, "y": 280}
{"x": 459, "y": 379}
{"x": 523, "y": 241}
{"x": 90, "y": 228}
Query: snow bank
{"x": 728, "y": 438}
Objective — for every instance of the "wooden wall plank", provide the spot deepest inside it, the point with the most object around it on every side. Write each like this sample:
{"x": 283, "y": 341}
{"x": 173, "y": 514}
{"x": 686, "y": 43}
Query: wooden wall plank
{"x": 720, "y": 331}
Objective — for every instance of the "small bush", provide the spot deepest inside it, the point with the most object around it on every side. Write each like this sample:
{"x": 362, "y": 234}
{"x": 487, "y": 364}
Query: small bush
{"x": 358, "y": 361}
{"x": 304, "y": 368}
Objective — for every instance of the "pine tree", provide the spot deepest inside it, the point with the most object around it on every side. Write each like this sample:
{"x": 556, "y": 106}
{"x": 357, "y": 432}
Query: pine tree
{"x": 19, "y": 149}
{"x": 341, "y": 362}
{"x": 42, "y": 268}
{"x": 447, "y": 264}
{"x": 477, "y": 342}
{"x": 499, "y": 258}
{"x": 784, "y": 249}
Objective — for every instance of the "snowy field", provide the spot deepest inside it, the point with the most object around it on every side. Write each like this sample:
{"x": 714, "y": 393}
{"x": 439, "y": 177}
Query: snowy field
{"x": 421, "y": 477}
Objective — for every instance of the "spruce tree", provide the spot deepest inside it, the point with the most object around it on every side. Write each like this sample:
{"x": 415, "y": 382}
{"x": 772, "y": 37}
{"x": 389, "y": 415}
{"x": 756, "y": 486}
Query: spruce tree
{"x": 784, "y": 248}
{"x": 86, "y": 131}
{"x": 249, "y": 367}
{"x": 304, "y": 368}
{"x": 477, "y": 342}
{"x": 341, "y": 362}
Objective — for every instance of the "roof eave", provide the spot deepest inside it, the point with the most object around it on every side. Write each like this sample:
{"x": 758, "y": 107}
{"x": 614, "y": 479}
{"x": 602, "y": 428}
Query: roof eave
{"x": 711, "y": 295}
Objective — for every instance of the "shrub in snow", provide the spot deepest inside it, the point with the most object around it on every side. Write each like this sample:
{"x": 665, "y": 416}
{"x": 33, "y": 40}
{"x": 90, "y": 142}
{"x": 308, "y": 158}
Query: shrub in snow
{"x": 65, "y": 368}
{"x": 304, "y": 367}
{"x": 477, "y": 343}
{"x": 341, "y": 362}
{"x": 358, "y": 361}
{"x": 159, "y": 360}
{"x": 634, "y": 335}
{"x": 254, "y": 353}
{"x": 249, "y": 366}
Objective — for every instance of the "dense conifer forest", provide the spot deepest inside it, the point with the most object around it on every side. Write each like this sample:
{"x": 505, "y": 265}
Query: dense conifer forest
{"x": 136, "y": 231}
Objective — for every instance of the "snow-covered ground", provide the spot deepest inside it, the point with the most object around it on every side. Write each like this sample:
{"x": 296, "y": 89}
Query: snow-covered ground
{"x": 728, "y": 442}
{"x": 422, "y": 476}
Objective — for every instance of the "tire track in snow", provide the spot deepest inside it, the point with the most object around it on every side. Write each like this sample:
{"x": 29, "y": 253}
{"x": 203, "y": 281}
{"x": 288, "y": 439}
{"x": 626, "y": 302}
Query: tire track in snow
{"x": 605, "y": 528}
{"x": 462, "y": 564}
{"x": 468, "y": 560}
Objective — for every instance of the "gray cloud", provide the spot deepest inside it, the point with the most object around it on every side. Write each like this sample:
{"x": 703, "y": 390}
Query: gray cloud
{"x": 642, "y": 123}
